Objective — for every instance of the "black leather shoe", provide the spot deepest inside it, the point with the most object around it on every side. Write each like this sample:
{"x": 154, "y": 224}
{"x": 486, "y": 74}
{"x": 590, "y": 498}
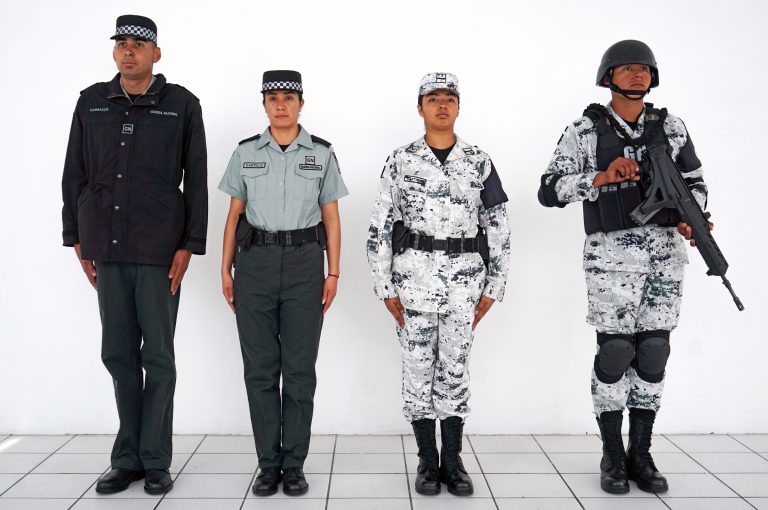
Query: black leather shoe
{"x": 613, "y": 465}
{"x": 117, "y": 480}
{"x": 157, "y": 481}
{"x": 428, "y": 473}
{"x": 640, "y": 465}
{"x": 294, "y": 483}
{"x": 452, "y": 471}
{"x": 266, "y": 482}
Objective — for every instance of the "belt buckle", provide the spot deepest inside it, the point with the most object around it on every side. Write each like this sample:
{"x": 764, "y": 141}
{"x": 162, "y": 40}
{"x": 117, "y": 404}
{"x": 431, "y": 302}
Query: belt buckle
{"x": 461, "y": 245}
{"x": 287, "y": 236}
{"x": 270, "y": 238}
{"x": 416, "y": 239}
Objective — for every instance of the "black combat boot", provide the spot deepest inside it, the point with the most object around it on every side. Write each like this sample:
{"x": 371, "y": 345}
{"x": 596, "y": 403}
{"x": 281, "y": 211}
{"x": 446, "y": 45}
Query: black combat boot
{"x": 640, "y": 464}
{"x": 613, "y": 466}
{"x": 452, "y": 471}
{"x": 428, "y": 472}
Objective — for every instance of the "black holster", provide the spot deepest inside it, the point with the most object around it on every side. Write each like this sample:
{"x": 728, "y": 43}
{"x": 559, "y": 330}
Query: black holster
{"x": 399, "y": 237}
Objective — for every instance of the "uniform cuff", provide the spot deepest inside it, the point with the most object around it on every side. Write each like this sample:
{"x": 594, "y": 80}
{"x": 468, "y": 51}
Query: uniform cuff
{"x": 70, "y": 238}
{"x": 195, "y": 245}
{"x": 494, "y": 291}
{"x": 233, "y": 192}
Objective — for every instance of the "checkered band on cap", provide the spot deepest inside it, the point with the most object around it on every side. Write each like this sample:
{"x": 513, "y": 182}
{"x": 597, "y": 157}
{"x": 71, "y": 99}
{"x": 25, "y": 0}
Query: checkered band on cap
{"x": 281, "y": 85}
{"x": 437, "y": 81}
{"x": 136, "y": 31}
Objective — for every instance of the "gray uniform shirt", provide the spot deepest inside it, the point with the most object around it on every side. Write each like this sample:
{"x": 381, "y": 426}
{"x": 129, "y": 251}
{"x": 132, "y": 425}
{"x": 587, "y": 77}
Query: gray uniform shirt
{"x": 283, "y": 190}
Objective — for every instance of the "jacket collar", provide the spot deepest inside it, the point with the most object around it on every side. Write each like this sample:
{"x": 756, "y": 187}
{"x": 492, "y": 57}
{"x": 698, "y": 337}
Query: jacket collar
{"x": 640, "y": 120}
{"x": 461, "y": 150}
{"x": 150, "y": 97}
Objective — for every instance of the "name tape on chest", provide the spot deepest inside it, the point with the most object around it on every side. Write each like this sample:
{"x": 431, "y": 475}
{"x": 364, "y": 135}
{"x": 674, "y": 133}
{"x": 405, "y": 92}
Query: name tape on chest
{"x": 254, "y": 164}
{"x": 468, "y": 151}
{"x": 421, "y": 181}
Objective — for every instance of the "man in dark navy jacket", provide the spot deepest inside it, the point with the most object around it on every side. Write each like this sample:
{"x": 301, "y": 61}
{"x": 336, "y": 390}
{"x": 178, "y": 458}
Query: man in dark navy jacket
{"x": 133, "y": 141}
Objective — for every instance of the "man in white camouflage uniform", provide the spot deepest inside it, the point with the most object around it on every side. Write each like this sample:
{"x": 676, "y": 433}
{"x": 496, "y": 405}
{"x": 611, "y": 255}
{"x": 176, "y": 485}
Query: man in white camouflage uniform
{"x": 634, "y": 274}
{"x": 438, "y": 248}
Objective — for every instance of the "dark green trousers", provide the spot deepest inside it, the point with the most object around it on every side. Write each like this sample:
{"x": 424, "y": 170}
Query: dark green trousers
{"x": 278, "y": 294}
{"x": 138, "y": 320}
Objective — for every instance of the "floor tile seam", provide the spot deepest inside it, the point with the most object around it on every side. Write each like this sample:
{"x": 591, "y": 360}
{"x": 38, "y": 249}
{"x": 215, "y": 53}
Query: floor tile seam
{"x": 763, "y": 455}
{"x": 202, "y": 439}
{"x": 36, "y": 466}
{"x": 707, "y": 469}
{"x": 485, "y": 478}
{"x": 407, "y": 475}
{"x": 330, "y": 475}
{"x": 578, "y": 501}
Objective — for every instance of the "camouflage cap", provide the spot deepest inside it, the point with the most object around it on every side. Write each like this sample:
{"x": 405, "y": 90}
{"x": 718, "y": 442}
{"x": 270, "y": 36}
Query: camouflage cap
{"x": 436, "y": 81}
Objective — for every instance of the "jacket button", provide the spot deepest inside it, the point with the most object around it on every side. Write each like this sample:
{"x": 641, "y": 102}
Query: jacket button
{"x": 114, "y": 241}
{"x": 119, "y": 176}
{"x": 122, "y": 143}
{"x": 117, "y": 208}
{"x": 151, "y": 102}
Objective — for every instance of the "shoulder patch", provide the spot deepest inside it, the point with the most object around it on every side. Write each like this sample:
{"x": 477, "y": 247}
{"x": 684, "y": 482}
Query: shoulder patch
{"x": 317, "y": 139}
{"x": 254, "y": 137}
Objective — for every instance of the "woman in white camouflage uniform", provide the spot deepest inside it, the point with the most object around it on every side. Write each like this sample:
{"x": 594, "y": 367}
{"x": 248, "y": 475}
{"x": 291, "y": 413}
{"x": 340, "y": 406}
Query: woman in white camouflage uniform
{"x": 447, "y": 197}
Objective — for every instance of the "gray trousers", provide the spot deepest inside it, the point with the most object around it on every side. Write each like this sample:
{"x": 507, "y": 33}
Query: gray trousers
{"x": 138, "y": 321}
{"x": 278, "y": 294}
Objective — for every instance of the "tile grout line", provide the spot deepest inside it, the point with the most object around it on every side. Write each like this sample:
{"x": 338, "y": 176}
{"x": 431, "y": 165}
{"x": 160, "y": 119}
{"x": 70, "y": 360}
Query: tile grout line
{"x": 182, "y": 468}
{"x": 707, "y": 470}
{"x": 578, "y": 501}
{"x": 330, "y": 474}
{"x": 29, "y": 472}
{"x": 407, "y": 479}
{"x": 482, "y": 472}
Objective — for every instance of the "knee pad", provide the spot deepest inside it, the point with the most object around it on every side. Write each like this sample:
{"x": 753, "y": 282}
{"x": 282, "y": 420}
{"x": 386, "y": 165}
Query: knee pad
{"x": 614, "y": 355}
{"x": 652, "y": 354}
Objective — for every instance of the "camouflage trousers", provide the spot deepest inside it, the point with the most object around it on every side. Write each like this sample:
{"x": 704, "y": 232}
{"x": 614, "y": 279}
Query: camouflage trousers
{"x": 627, "y": 303}
{"x": 435, "y": 353}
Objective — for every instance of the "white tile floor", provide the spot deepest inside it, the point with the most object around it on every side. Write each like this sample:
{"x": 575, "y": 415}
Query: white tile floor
{"x": 705, "y": 472}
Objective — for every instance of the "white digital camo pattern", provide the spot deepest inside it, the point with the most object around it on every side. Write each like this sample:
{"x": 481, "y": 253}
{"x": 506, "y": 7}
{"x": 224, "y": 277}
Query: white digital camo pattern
{"x": 636, "y": 249}
{"x": 634, "y": 276}
{"x": 439, "y": 291}
{"x": 435, "y": 350}
{"x": 441, "y": 201}
{"x": 627, "y": 303}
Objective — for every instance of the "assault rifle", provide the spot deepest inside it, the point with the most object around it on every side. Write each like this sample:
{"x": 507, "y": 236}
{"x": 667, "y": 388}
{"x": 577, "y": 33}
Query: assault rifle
{"x": 667, "y": 189}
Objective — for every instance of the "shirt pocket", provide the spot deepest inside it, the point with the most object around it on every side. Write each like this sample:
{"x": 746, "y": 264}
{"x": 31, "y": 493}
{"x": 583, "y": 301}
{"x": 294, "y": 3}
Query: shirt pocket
{"x": 413, "y": 193}
{"x": 308, "y": 185}
{"x": 466, "y": 191}
{"x": 255, "y": 182}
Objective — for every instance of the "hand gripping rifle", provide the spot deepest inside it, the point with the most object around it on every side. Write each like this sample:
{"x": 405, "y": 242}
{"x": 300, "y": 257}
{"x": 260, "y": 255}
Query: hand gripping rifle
{"x": 667, "y": 189}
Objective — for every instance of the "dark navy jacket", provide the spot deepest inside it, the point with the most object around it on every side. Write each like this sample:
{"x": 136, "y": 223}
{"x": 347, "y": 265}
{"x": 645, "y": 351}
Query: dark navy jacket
{"x": 125, "y": 162}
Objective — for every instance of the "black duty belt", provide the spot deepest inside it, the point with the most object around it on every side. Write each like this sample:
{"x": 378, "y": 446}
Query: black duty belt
{"x": 248, "y": 235}
{"x": 450, "y": 245}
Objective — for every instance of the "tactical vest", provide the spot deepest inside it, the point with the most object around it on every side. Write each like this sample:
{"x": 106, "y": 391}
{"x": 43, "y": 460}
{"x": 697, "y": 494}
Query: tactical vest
{"x": 610, "y": 212}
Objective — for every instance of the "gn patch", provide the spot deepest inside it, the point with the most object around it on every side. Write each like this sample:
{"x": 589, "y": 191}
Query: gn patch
{"x": 309, "y": 164}
{"x": 254, "y": 164}
{"x": 127, "y": 129}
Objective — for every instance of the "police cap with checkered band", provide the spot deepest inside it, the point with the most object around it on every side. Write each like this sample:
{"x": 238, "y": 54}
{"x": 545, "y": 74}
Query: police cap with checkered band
{"x": 281, "y": 80}
{"x": 139, "y": 27}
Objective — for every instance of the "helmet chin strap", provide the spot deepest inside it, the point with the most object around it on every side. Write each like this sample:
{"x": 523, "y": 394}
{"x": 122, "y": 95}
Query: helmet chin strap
{"x": 626, "y": 93}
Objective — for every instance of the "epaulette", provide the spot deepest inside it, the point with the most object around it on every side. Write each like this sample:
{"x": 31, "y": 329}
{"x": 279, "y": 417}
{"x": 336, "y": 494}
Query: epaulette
{"x": 317, "y": 139}
{"x": 187, "y": 90}
{"x": 254, "y": 137}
